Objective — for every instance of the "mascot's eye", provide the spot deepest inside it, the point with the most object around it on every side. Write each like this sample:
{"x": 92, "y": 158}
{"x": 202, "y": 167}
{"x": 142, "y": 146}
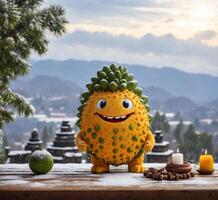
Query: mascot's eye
{"x": 101, "y": 103}
{"x": 127, "y": 103}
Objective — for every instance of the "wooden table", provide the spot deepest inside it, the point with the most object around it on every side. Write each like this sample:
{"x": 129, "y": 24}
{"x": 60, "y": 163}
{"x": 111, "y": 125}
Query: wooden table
{"x": 74, "y": 181}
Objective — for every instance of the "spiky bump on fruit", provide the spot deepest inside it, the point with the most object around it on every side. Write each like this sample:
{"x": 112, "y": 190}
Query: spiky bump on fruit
{"x": 113, "y": 118}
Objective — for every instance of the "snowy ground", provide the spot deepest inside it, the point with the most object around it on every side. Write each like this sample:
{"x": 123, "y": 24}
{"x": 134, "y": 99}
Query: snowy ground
{"x": 77, "y": 175}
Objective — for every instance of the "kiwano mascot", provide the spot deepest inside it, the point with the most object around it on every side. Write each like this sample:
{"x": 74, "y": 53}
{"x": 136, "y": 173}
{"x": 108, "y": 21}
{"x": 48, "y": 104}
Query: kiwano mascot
{"x": 114, "y": 121}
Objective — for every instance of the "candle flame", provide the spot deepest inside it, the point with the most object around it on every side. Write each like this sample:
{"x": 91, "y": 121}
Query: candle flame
{"x": 205, "y": 152}
{"x": 177, "y": 150}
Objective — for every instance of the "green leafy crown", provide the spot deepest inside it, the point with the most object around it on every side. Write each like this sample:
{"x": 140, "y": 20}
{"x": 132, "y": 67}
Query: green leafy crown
{"x": 112, "y": 79}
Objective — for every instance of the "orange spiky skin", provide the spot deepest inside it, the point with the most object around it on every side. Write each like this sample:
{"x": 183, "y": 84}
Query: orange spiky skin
{"x": 115, "y": 143}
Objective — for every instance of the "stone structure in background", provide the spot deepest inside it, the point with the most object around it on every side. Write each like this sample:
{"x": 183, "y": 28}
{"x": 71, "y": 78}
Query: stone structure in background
{"x": 160, "y": 152}
{"x": 18, "y": 156}
{"x": 64, "y": 149}
{"x": 33, "y": 144}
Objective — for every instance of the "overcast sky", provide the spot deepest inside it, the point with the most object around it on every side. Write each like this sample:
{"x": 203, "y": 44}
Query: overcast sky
{"x": 176, "y": 33}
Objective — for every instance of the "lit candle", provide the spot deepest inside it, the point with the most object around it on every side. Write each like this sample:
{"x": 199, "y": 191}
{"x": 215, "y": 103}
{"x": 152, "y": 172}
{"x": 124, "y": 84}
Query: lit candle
{"x": 177, "y": 158}
{"x": 206, "y": 162}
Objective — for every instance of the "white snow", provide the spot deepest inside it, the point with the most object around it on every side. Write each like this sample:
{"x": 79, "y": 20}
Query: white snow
{"x": 61, "y": 175}
{"x": 40, "y": 154}
{"x": 64, "y": 133}
{"x": 119, "y": 179}
{"x": 60, "y": 148}
{"x": 57, "y": 119}
{"x": 36, "y": 184}
{"x": 7, "y": 177}
{"x": 160, "y": 153}
{"x": 206, "y": 121}
{"x": 39, "y": 116}
{"x": 57, "y": 158}
{"x": 169, "y": 115}
{"x": 14, "y": 153}
{"x": 71, "y": 154}
{"x": 164, "y": 143}
{"x": 57, "y": 114}
{"x": 34, "y": 142}
{"x": 14, "y": 182}
{"x": 174, "y": 123}
{"x": 56, "y": 167}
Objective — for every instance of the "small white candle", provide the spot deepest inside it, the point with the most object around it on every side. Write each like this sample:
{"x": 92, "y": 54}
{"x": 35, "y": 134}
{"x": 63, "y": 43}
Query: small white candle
{"x": 177, "y": 158}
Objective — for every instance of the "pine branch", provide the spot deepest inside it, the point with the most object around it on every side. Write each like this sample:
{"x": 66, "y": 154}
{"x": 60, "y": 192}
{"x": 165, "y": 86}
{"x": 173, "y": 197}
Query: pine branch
{"x": 53, "y": 19}
{"x": 5, "y": 116}
{"x": 23, "y": 26}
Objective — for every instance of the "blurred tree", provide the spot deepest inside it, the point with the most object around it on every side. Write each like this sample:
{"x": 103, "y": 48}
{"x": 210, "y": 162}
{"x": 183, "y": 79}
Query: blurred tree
{"x": 177, "y": 116}
{"x": 206, "y": 142}
{"x": 165, "y": 124}
{"x": 47, "y": 134}
{"x": 159, "y": 122}
{"x": 51, "y": 133}
{"x": 178, "y": 132}
{"x": 214, "y": 123}
{"x": 5, "y": 140}
{"x": 2, "y": 151}
{"x": 23, "y": 28}
{"x": 193, "y": 144}
{"x": 190, "y": 144}
{"x": 156, "y": 120}
{"x": 3, "y": 144}
{"x": 196, "y": 123}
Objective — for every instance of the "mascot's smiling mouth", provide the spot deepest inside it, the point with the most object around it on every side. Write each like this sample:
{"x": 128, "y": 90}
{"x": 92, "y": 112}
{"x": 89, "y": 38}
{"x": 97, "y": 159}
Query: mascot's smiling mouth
{"x": 115, "y": 119}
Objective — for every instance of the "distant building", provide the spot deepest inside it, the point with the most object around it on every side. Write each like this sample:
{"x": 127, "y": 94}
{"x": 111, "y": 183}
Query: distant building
{"x": 33, "y": 144}
{"x": 173, "y": 124}
{"x": 169, "y": 116}
{"x": 161, "y": 152}
{"x": 206, "y": 121}
{"x": 64, "y": 149}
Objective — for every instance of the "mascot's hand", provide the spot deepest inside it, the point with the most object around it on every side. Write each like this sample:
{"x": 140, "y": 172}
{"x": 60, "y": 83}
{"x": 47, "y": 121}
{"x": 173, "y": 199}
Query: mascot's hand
{"x": 148, "y": 146}
{"x": 149, "y": 142}
{"x": 80, "y": 143}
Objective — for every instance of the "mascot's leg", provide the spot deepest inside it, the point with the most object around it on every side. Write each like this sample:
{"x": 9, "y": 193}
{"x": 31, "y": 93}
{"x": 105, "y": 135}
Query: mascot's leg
{"x": 99, "y": 166}
{"x": 136, "y": 165}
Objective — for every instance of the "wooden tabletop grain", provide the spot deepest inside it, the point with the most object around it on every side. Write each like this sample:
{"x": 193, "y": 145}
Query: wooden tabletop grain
{"x": 74, "y": 181}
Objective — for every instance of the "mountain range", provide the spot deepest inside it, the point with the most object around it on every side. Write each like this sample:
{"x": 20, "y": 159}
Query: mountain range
{"x": 46, "y": 86}
{"x": 60, "y": 95}
{"x": 198, "y": 87}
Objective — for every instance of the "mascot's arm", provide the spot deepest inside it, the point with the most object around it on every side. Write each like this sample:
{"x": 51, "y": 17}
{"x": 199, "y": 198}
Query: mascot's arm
{"x": 149, "y": 143}
{"x": 80, "y": 143}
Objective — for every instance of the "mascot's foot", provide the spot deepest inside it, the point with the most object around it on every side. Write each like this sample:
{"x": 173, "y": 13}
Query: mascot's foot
{"x": 100, "y": 169}
{"x": 136, "y": 168}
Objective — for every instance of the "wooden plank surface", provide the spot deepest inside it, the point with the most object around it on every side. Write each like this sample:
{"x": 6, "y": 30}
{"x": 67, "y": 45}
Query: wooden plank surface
{"x": 74, "y": 181}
